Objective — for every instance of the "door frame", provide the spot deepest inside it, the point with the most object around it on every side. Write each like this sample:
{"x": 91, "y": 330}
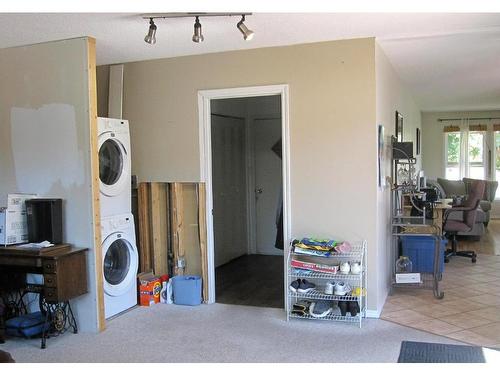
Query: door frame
{"x": 205, "y": 137}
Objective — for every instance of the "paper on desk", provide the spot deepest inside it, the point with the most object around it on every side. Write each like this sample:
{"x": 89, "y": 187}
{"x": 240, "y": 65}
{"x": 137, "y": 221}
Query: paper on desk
{"x": 37, "y": 244}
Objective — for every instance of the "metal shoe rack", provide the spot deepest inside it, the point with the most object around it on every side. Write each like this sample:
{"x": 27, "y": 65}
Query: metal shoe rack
{"x": 357, "y": 254}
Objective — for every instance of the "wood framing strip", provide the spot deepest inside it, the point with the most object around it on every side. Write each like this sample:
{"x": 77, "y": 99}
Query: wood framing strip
{"x": 144, "y": 227}
{"x": 177, "y": 225}
{"x": 159, "y": 227}
{"x": 94, "y": 170}
{"x": 202, "y": 230}
{"x": 496, "y": 127}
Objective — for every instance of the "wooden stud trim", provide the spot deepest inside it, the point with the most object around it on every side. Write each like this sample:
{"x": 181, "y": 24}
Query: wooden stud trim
{"x": 159, "y": 227}
{"x": 94, "y": 170}
{"x": 202, "y": 231}
{"x": 177, "y": 225}
{"x": 144, "y": 225}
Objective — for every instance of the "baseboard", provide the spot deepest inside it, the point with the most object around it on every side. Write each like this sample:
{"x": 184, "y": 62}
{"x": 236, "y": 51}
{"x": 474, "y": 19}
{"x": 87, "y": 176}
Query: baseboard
{"x": 373, "y": 314}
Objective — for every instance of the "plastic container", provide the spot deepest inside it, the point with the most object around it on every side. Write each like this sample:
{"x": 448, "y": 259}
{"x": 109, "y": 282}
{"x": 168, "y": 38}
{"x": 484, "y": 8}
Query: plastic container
{"x": 404, "y": 265}
{"x": 187, "y": 290}
{"x": 420, "y": 250}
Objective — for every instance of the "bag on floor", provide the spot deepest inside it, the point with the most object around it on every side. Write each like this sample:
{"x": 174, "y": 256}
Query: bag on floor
{"x": 28, "y": 325}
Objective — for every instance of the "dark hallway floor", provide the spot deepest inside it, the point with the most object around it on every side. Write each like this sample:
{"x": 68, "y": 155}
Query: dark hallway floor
{"x": 251, "y": 280}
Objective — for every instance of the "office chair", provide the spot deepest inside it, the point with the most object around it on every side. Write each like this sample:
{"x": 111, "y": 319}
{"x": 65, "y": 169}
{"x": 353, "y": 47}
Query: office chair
{"x": 469, "y": 210}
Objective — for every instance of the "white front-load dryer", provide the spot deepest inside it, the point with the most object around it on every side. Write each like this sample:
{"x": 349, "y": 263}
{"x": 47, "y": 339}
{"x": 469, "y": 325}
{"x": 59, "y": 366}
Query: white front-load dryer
{"x": 120, "y": 263}
{"x": 114, "y": 166}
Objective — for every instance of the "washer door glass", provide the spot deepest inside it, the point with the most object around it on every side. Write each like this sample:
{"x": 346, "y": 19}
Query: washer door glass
{"x": 110, "y": 162}
{"x": 117, "y": 262}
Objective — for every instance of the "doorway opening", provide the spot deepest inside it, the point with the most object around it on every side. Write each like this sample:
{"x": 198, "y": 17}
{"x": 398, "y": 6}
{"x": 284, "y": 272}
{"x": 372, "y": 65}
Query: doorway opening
{"x": 244, "y": 163}
{"x": 247, "y": 190}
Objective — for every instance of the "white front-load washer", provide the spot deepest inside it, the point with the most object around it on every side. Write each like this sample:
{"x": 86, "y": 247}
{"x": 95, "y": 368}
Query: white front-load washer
{"x": 114, "y": 166}
{"x": 120, "y": 263}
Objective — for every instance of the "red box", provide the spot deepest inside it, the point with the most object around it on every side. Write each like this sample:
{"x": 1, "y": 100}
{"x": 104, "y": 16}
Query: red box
{"x": 149, "y": 289}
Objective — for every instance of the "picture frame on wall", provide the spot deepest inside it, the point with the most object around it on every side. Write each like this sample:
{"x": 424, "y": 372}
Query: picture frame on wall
{"x": 380, "y": 136}
{"x": 399, "y": 127}
{"x": 417, "y": 142}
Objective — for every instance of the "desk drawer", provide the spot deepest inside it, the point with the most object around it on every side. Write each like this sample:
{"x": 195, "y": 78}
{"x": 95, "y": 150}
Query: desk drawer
{"x": 49, "y": 266}
{"x": 50, "y": 280}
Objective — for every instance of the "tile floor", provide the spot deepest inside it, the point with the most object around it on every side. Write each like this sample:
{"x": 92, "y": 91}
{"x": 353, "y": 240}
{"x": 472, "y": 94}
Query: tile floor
{"x": 470, "y": 309}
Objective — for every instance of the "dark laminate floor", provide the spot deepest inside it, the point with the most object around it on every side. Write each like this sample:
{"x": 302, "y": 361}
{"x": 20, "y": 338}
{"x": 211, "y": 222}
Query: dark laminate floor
{"x": 251, "y": 280}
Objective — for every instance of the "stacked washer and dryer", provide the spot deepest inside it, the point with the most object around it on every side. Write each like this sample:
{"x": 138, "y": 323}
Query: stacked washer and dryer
{"x": 119, "y": 249}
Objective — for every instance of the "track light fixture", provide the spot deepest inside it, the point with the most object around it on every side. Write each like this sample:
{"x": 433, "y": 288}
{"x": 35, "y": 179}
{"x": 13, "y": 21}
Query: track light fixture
{"x": 197, "y": 36}
{"x": 150, "y": 38}
{"x": 247, "y": 33}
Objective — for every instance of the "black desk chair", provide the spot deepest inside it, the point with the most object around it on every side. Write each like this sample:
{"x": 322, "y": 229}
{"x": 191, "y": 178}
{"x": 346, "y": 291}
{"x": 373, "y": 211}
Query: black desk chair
{"x": 469, "y": 210}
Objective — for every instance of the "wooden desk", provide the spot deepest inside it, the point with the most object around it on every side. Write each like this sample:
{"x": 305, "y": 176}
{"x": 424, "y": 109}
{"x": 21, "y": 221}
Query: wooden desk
{"x": 439, "y": 209}
{"x": 64, "y": 271}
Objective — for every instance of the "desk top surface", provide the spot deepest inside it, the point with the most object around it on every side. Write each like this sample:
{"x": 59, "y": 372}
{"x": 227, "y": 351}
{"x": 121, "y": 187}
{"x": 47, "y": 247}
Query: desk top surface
{"x": 49, "y": 252}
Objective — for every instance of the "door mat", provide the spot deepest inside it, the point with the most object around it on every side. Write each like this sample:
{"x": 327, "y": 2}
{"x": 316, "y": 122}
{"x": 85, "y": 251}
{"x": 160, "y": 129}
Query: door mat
{"x": 425, "y": 352}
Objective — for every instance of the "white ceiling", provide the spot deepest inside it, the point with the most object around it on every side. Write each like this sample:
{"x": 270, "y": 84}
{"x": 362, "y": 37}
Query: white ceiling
{"x": 450, "y": 61}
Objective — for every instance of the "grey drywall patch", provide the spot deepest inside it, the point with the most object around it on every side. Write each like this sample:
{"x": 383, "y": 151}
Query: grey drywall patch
{"x": 45, "y": 148}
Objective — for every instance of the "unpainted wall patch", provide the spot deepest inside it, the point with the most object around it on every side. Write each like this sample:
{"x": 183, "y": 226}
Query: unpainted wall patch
{"x": 45, "y": 148}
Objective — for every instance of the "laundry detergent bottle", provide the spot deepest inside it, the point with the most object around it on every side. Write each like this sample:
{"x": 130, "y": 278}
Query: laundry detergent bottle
{"x": 164, "y": 289}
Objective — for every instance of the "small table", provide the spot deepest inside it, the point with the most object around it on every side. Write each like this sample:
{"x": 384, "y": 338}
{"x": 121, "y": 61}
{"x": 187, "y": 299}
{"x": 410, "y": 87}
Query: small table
{"x": 64, "y": 271}
{"x": 440, "y": 207}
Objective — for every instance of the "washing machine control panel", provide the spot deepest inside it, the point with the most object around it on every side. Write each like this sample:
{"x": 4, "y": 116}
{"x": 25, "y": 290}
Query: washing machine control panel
{"x": 112, "y": 124}
{"x": 109, "y": 225}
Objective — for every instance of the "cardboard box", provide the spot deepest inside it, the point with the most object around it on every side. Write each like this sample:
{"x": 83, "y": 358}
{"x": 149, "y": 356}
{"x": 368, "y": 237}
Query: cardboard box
{"x": 16, "y": 202}
{"x": 13, "y": 220}
{"x": 13, "y": 227}
{"x": 149, "y": 288}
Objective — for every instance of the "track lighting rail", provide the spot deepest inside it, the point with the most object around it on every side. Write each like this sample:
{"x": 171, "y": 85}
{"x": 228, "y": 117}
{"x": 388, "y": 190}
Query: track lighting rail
{"x": 198, "y": 37}
{"x": 193, "y": 14}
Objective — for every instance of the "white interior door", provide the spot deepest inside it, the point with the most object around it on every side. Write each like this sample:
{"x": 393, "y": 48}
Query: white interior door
{"x": 229, "y": 188}
{"x": 268, "y": 183}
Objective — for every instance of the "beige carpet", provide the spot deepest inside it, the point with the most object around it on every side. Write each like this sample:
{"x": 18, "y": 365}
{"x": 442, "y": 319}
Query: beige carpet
{"x": 222, "y": 333}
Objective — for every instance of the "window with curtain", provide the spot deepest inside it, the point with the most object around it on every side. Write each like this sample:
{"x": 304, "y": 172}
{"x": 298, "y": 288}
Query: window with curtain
{"x": 452, "y": 147}
{"x": 476, "y": 157}
{"x": 496, "y": 164}
{"x": 467, "y": 151}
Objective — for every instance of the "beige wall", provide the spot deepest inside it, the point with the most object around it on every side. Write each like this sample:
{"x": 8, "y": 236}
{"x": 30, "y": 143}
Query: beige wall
{"x": 45, "y": 140}
{"x": 332, "y": 126}
{"x": 102, "y": 73}
{"x": 391, "y": 96}
{"x": 433, "y": 161}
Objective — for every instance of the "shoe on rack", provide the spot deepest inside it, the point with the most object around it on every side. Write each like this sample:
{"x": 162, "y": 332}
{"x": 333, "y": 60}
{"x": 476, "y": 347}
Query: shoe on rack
{"x": 301, "y": 307}
{"x": 353, "y": 307}
{"x": 330, "y": 287}
{"x": 343, "y": 306}
{"x": 320, "y": 309}
{"x": 341, "y": 288}
{"x": 345, "y": 268}
{"x": 305, "y": 286}
{"x": 295, "y": 285}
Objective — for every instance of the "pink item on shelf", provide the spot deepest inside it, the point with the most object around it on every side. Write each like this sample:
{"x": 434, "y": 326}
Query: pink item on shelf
{"x": 314, "y": 266}
{"x": 344, "y": 247}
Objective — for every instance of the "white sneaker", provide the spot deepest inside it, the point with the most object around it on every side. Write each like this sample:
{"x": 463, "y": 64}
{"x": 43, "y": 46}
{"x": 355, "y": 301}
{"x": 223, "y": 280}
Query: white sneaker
{"x": 330, "y": 287}
{"x": 356, "y": 268}
{"x": 341, "y": 289}
{"x": 345, "y": 268}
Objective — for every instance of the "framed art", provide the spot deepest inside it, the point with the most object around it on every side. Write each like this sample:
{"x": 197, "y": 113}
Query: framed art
{"x": 399, "y": 127}
{"x": 380, "y": 136}
{"x": 417, "y": 142}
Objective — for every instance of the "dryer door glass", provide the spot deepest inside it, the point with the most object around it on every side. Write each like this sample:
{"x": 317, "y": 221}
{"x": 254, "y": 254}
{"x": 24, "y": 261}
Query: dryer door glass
{"x": 110, "y": 162}
{"x": 117, "y": 262}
